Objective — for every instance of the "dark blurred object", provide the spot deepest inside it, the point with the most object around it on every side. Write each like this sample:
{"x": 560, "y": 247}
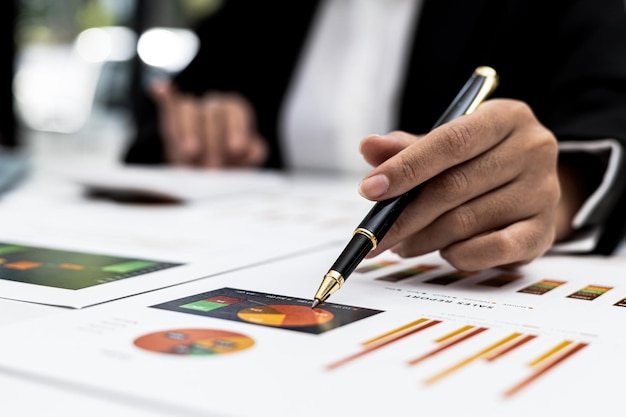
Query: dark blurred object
{"x": 7, "y": 46}
{"x": 14, "y": 167}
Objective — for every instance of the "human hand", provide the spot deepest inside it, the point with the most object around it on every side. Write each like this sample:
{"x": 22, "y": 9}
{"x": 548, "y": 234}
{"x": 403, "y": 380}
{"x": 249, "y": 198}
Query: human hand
{"x": 216, "y": 130}
{"x": 492, "y": 187}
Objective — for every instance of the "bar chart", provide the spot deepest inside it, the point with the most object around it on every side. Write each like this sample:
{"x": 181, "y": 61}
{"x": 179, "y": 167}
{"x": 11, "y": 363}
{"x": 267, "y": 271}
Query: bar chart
{"x": 492, "y": 353}
{"x": 430, "y": 275}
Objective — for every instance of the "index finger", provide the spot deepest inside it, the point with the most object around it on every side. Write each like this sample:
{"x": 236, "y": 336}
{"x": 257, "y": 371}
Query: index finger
{"x": 444, "y": 147}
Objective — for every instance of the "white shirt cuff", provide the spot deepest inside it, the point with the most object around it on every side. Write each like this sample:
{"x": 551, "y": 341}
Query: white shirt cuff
{"x": 588, "y": 221}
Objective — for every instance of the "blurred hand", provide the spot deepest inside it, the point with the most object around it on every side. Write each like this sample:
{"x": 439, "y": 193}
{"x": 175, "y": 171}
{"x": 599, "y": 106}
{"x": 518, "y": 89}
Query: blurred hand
{"x": 216, "y": 130}
{"x": 492, "y": 187}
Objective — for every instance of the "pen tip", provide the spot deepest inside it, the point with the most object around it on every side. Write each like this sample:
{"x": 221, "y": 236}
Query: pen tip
{"x": 315, "y": 303}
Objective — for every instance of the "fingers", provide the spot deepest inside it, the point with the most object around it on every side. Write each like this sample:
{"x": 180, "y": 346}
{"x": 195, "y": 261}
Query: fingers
{"x": 230, "y": 137}
{"x": 484, "y": 215}
{"x": 446, "y": 146}
{"x": 213, "y": 131}
{"x": 376, "y": 149}
{"x": 178, "y": 117}
{"x": 515, "y": 245}
{"x": 493, "y": 182}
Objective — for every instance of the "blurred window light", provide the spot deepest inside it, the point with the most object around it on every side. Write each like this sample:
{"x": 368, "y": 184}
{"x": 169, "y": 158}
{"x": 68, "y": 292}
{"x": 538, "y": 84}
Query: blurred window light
{"x": 55, "y": 86}
{"x": 171, "y": 49}
{"x": 53, "y": 92}
{"x": 113, "y": 43}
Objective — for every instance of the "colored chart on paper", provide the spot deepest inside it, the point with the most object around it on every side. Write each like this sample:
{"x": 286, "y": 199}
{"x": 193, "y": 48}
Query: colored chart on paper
{"x": 194, "y": 342}
{"x": 499, "y": 280}
{"x": 541, "y": 287}
{"x": 590, "y": 292}
{"x": 449, "y": 278}
{"x": 69, "y": 269}
{"x": 285, "y": 315}
{"x": 374, "y": 266}
{"x": 492, "y": 352}
{"x": 621, "y": 303}
{"x": 407, "y": 273}
{"x": 265, "y": 309}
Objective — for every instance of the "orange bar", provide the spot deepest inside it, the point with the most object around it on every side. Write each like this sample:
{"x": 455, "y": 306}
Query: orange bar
{"x": 469, "y": 360}
{"x": 372, "y": 347}
{"x": 515, "y": 389}
{"x": 511, "y": 347}
{"x": 454, "y": 333}
{"x": 393, "y": 332}
{"x": 447, "y": 345}
{"x": 597, "y": 288}
{"x": 551, "y": 352}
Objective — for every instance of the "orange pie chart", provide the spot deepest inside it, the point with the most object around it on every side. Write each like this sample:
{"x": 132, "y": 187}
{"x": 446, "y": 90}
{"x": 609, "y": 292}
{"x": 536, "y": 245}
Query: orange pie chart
{"x": 285, "y": 315}
{"x": 194, "y": 342}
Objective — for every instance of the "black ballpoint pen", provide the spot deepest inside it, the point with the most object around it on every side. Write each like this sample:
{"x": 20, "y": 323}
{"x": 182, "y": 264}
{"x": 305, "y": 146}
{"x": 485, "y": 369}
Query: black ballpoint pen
{"x": 384, "y": 213}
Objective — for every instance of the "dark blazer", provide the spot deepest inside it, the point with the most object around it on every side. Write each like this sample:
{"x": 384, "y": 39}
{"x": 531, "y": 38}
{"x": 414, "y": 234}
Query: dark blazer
{"x": 565, "y": 58}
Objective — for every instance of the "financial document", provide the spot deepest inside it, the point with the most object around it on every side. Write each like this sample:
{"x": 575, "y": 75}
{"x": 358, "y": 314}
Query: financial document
{"x": 403, "y": 336}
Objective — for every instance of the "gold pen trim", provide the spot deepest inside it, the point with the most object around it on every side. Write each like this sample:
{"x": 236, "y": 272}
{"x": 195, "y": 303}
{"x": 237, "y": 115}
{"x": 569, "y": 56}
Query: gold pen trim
{"x": 367, "y": 234}
{"x": 490, "y": 84}
{"x": 332, "y": 281}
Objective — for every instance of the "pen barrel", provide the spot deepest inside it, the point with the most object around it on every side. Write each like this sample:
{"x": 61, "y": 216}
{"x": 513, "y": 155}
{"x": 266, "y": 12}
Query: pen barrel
{"x": 479, "y": 86}
{"x": 378, "y": 222}
{"x": 352, "y": 255}
{"x": 384, "y": 213}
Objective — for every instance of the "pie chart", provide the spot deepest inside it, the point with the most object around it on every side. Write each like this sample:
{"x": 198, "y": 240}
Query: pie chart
{"x": 194, "y": 342}
{"x": 285, "y": 315}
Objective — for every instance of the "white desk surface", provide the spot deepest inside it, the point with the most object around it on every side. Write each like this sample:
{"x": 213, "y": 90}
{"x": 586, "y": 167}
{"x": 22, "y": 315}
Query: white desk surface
{"x": 51, "y": 189}
{"x": 25, "y": 396}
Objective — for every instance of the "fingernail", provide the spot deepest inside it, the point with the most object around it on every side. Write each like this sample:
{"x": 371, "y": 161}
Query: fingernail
{"x": 374, "y": 186}
{"x": 366, "y": 138}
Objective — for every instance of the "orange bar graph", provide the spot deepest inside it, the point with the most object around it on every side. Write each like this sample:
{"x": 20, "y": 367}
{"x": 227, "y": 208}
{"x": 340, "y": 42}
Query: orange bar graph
{"x": 550, "y": 353}
{"x": 386, "y": 339}
{"x": 394, "y": 332}
{"x": 540, "y": 365}
{"x": 454, "y": 333}
{"x": 510, "y": 347}
{"x": 471, "y": 359}
{"x": 465, "y": 332}
{"x": 540, "y": 370}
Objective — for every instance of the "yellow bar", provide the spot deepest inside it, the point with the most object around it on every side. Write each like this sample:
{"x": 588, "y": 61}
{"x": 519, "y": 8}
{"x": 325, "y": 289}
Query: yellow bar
{"x": 394, "y": 332}
{"x": 551, "y": 352}
{"x": 454, "y": 333}
{"x": 470, "y": 359}
{"x": 542, "y": 370}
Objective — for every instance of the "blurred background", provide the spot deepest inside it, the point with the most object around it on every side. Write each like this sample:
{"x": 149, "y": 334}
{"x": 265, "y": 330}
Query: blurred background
{"x": 72, "y": 66}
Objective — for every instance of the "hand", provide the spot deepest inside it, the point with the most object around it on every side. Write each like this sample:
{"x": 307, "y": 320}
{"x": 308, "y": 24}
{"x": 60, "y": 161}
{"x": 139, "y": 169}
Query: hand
{"x": 492, "y": 187}
{"x": 214, "y": 131}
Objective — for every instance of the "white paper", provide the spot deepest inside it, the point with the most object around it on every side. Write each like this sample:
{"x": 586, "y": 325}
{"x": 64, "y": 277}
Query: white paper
{"x": 275, "y": 370}
{"x": 177, "y": 183}
{"x": 253, "y": 224}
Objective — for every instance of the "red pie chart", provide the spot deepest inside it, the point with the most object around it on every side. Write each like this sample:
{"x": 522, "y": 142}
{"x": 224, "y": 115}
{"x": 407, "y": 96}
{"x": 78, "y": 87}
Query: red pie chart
{"x": 194, "y": 342}
{"x": 285, "y": 315}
